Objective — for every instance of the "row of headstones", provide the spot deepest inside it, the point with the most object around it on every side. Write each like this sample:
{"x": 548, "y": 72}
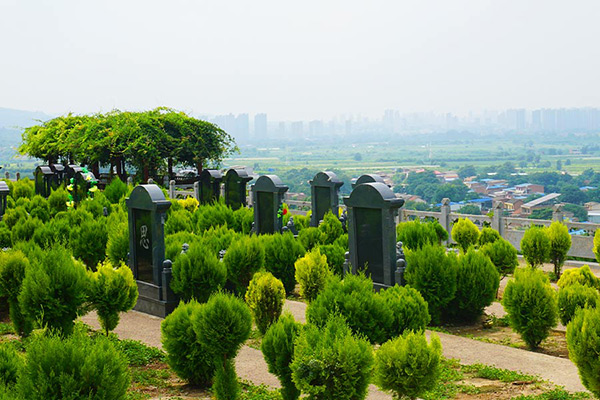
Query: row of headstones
{"x": 371, "y": 207}
{"x": 51, "y": 177}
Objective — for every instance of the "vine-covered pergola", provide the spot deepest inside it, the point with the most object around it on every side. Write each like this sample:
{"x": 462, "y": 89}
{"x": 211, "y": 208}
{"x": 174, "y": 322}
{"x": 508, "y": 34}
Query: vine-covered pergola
{"x": 148, "y": 141}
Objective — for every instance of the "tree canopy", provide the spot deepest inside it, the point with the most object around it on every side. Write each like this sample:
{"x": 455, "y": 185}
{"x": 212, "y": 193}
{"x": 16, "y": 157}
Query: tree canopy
{"x": 148, "y": 141}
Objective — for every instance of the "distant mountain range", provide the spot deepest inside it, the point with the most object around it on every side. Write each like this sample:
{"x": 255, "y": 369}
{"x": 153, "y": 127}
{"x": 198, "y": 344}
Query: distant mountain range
{"x": 13, "y": 121}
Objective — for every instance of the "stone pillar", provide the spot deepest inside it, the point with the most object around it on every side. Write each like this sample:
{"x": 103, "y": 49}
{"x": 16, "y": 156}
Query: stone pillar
{"x": 7, "y": 175}
{"x": 197, "y": 190}
{"x": 18, "y": 175}
{"x": 150, "y": 181}
{"x": 497, "y": 219}
{"x": 172, "y": 189}
{"x": 445, "y": 218}
{"x": 129, "y": 181}
{"x": 557, "y": 213}
{"x": 168, "y": 296}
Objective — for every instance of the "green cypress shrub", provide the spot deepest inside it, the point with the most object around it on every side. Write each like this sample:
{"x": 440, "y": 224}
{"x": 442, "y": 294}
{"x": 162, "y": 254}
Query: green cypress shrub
{"x": 433, "y": 273}
{"x": 14, "y": 215}
{"x": 477, "y": 282}
{"x": 75, "y": 368}
{"x": 336, "y": 256}
{"x": 582, "y": 275}
{"x": 530, "y": 302}
{"x": 573, "y": 297}
{"x": 22, "y": 189}
{"x": 503, "y": 256}
{"x": 407, "y": 366}
{"x": 415, "y": 234}
{"x": 245, "y": 256}
{"x": 342, "y": 242}
{"x": 465, "y": 233}
{"x": 13, "y": 265}
{"x": 330, "y": 363}
{"x": 535, "y": 246}
{"x": 54, "y": 290}
{"x": 222, "y": 325}
{"x": 179, "y": 221}
{"x": 38, "y": 208}
{"x": 312, "y": 273}
{"x": 24, "y": 229}
{"x": 218, "y": 238}
{"x": 10, "y": 364}
{"x": 583, "y": 342}
{"x": 213, "y": 215}
{"x": 5, "y": 236}
{"x": 198, "y": 274}
{"x": 88, "y": 242}
{"x": 331, "y": 228}
{"x": 354, "y": 299}
{"x": 300, "y": 221}
{"x": 117, "y": 244}
{"x": 174, "y": 243}
{"x": 96, "y": 205}
{"x": 186, "y": 355}
{"x": 281, "y": 253}
{"x": 57, "y": 201}
{"x": 596, "y": 248}
{"x": 409, "y": 310}
{"x": 115, "y": 190}
{"x": 112, "y": 291}
{"x": 311, "y": 237}
{"x": 242, "y": 220}
{"x": 278, "y": 349}
{"x": 488, "y": 235}
{"x": 560, "y": 243}
{"x": 265, "y": 297}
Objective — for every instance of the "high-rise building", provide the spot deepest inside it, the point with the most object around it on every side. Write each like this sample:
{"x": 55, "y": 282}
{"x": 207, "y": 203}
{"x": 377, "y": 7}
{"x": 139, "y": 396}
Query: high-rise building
{"x": 260, "y": 126}
{"x": 297, "y": 129}
{"x": 315, "y": 128}
{"x": 242, "y": 127}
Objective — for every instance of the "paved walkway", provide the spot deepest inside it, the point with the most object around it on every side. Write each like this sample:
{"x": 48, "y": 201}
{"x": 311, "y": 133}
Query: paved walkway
{"x": 250, "y": 364}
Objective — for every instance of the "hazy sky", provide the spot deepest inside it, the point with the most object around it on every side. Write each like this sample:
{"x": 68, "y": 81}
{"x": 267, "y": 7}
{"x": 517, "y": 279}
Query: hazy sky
{"x": 299, "y": 60}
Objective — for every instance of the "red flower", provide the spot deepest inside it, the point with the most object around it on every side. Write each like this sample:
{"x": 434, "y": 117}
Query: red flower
{"x": 284, "y": 211}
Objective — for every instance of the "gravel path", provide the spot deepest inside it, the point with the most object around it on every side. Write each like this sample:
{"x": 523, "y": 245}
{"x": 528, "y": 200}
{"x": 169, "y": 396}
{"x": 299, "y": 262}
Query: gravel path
{"x": 250, "y": 364}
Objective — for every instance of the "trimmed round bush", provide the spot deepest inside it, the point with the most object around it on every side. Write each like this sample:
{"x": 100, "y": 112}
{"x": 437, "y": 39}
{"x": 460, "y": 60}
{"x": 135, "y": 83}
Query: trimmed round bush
{"x": 197, "y": 274}
{"x": 222, "y": 325}
{"x": 265, "y": 297}
{"x": 189, "y": 203}
{"x": 407, "y": 366}
{"x": 560, "y": 243}
{"x": 342, "y": 242}
{"x": 354, "y": 299}
{"x": 245, "y": 256}
{"x": 73, "y": 368}
{"x": 503, "y": 255}
{"x": 311, "y": 237}
{"x": 115, "y": 190}
{"x": 217, "y": 238}
{"x": 88, "y": 242}
{"x": 10, "y": 364}
{"x": 409, "y": 310}
{"x": 24, "y": 229}
{"x": 54, "y": 290}
{"x": 530, "y": 302}
{"x": 5, "y": 236}
{"x": 336, "y": 256}
{"x": 179, "y": 221}
{"x": 117, "y": 245}
{"x": 465, "y": 233}
{"x": 330, "y": 363}
{"x": 331, "y": 228}
{"x": 13, "y": 266}
{"x": 477, "y": 282}
{"x": 312, "y": 273}
{"x": 535, "y": 246}
{"x": 278, "y": 349}
{"x": 574, "y": 297}
{"x": 242, "y": 220}
{"x": 22, "y": 189}
{"x": 38, "y": 208}
{"x": 213, "y": 215}
{"x": 14, "y": 215}
{"x": 582, "y": 275}
{"x": 488, "y": 235}
{"x": 112, "y": 291}
{"x": 188, "y": 357}
{"x": 433, "y": 273}
{"x": 281, "y": 253}
{"x": 583, "y": 342}
{"x": 57, "y": 201}
{"x": 415, "y": 234}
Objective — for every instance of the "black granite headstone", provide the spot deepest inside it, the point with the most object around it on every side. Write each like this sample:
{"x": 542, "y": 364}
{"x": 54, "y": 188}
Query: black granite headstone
{"x": 4, "y": 191}
{"x": 43, "y": 180}
{"x": 210, "y": 186}
{"x": 325, "y": 188}
{"x": 268, "y": 192}
{"x": 236, "y": 180}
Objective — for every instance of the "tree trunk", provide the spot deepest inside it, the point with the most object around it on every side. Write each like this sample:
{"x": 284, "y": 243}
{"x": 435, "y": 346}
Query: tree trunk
{"x": 146, "y": 174}
{"x": 96, "y": 169}
{"x": 199, "y": 167}
{"x": 170, "y": 168}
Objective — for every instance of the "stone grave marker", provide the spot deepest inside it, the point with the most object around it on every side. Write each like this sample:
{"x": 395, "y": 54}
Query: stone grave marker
{"x": 209, "y": 187}
{"x": 71, "y": 170}
{"x": 372, "y": 208}
{"x": 236, "y": 180}
{"x": 324, "y": 189}
{"x": 267, "y": 197}
{"x": 367, "y": 178}
{"x": 83, "y": 185}
{"x": 4, "y": 191}
{"x": 147, "y": 207}
{"x": 59, "y": 175}
{"x": 43, "y": 180}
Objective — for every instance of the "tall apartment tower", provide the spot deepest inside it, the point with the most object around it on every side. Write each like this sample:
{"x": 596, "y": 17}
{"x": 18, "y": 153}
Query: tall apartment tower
{"x": 260, "y": 126}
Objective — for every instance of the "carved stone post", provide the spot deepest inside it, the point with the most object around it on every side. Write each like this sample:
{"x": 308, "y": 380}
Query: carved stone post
{"x": 172, "y": 189}
{"x": 497, "y": 219}
{"x": 557, "y": 213}
{"x": 445, "y": 218}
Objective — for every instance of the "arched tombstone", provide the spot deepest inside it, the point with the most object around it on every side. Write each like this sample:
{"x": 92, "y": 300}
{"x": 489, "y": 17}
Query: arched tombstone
{"x": 209, "y": 186}
{"x": 267, "y": 197}
{"x": 324, "y": 190}
{"x": 372, "y": 208}
{"x": 59, "y": 175}
{"x": 71, "y": 170}
{"x": 367, "y": 178}
{"x": 147, "y": 207}
{"x": 236, "y": 180}
{"x": 43, "y": 180}
{"x": 4, "y": 191}
{"x": 83, "y": 185}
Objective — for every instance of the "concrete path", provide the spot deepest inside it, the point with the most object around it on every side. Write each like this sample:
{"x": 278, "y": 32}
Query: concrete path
{"x": 250, "y": 364}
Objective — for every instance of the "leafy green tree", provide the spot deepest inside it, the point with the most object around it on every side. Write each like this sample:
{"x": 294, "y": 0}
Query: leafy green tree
{"x": 465, "y": 233}
{"x": 535, "y": 246}
{"x": 13, "y": 265}
{"x": 470, "y": 209}
{"x": 583, "y": 341}
{"x": 503, "y": 255}
{"x": 265, "y": 297}
{"x": 281, "y": 253}
{"x": 560, "y": 243}
{"x": 312, "y": 273}
{"x": 574, "y": 297}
